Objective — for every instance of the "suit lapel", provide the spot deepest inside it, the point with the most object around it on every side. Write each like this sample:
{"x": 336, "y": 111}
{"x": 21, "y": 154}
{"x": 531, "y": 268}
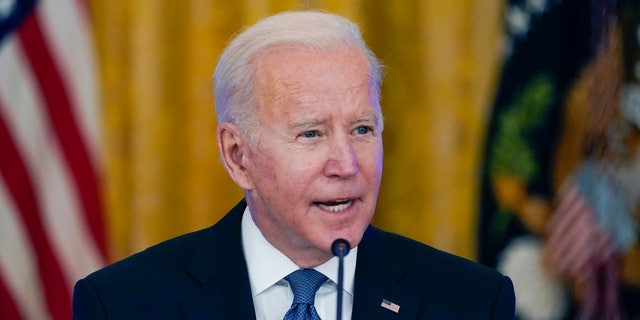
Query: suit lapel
{"x": 379, "y": 272}
{"x": 219, "y": 267}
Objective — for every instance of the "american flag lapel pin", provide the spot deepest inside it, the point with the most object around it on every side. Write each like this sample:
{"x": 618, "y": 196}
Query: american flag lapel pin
{"x": 390, "y": 305}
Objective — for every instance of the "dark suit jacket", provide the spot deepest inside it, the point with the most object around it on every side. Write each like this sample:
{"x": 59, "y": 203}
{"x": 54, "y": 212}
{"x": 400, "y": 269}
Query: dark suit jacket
{"x": 203, "y": 275}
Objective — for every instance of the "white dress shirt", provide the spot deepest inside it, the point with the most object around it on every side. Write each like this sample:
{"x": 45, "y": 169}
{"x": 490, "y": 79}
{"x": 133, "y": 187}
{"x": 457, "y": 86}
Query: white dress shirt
{"x": 267, "y": 267}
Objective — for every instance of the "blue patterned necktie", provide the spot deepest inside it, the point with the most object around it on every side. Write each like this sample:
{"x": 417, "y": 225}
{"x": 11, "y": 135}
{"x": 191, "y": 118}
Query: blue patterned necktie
{"x": 304, "y": 284}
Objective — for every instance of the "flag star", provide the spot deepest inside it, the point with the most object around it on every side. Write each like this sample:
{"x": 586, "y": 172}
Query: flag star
{"x": 6, "y": 6}
{"x": 517, "y": 21}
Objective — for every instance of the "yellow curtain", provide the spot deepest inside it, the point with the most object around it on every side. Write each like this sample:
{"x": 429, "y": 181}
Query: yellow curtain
{"x": 162, "y": 174}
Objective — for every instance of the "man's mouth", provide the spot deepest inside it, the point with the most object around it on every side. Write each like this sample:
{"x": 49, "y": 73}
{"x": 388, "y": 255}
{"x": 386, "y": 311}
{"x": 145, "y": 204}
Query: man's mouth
{"x": 335, "y": 206}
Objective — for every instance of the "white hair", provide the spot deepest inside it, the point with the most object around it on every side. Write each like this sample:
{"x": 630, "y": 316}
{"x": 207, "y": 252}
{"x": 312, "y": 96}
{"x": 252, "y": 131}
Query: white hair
{"x": 233, "y": 77}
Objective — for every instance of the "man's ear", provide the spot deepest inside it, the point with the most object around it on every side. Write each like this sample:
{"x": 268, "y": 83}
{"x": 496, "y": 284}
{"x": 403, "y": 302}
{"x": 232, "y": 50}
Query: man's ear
{"x": 232, "y": 149}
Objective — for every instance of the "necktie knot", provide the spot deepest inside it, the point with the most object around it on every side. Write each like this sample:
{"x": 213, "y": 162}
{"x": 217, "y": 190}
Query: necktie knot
{"x": 304, "y": 283}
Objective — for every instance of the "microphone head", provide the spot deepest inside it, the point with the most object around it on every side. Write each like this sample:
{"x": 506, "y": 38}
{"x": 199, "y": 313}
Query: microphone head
{"x": 340, "y": 247}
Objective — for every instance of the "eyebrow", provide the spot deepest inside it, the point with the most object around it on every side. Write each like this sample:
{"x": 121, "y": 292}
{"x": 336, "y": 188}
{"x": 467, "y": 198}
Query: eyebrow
{"x": 309, "y": 123}
{"x": 306, "y": 123}
{"x": 369, "y": 118}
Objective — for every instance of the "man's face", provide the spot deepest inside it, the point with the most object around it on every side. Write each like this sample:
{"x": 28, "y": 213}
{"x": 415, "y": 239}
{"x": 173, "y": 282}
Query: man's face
{"x": 315, "y": 170}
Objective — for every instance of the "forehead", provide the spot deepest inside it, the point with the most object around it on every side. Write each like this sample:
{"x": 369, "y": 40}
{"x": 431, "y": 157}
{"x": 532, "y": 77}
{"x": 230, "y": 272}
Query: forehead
{"x": 303, "y": 75}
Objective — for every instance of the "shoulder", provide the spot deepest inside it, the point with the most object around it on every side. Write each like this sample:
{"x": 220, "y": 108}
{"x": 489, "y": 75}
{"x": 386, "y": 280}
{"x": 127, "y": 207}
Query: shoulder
{"x": 441, "y": 284}
{"x": 150, "y": 283}
{"x": 414, "y": 254}
{"x": 172, "y": 256}
{"x": 150, "y": 265}
{"x": 431, "y": 270}
{"x": 146, "y": 284}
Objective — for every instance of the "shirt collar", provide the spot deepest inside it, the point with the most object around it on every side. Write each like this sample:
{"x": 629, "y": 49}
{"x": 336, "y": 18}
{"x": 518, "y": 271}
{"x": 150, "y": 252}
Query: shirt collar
{"x": 267, "y": 265}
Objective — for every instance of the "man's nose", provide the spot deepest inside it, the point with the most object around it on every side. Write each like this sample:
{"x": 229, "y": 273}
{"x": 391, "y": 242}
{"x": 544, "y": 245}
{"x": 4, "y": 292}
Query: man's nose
{"x": 342, "y": 160}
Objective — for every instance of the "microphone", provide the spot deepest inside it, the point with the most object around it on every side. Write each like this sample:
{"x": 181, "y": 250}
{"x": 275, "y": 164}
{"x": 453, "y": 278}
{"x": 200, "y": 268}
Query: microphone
{"x": 340, "y": 248}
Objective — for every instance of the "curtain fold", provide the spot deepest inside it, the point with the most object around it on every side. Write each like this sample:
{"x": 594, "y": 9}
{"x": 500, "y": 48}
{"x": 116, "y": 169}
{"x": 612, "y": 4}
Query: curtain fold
{"x": 163, "y": 174}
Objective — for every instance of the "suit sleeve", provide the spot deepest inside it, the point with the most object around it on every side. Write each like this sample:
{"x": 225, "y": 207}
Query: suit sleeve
{"x": 505, "y": 303}
{"x": 86, "y": 303}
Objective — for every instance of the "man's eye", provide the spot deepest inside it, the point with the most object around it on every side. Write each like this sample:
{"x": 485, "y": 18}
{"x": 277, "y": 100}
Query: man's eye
{"x": 310, "y": 134}
{"x": 363, "y": 130}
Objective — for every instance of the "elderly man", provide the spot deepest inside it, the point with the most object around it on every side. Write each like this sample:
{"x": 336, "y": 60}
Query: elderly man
{"x": 299, "y": 130}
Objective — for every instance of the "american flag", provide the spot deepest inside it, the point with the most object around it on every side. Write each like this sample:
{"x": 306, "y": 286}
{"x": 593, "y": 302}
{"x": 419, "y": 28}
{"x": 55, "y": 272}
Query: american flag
{"x": 51, "y": 215}
{"x": 581, "y": 248}
{"x": 390, "y": 306}
{"x": 576, "y": 239}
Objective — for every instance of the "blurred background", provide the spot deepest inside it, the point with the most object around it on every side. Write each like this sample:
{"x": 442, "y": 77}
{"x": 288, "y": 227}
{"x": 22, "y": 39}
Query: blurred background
{"x": 511, "y": 138}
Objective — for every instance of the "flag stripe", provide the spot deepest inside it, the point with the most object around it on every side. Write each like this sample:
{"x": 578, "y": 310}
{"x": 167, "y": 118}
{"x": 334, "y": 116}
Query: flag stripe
{"x": 18, "y": 264}
{"x": 571, "y": 230}
{"x": 61, "y": 213}
{"x": 20, "y": 189}
{"x": 51, "y": 223}
{"x": 64, "y": 125}
{"x": 67, "y": 30}
{"x": 61, "y": 205}
{"x": 19, "y": 108}
{"x": 8, "y": 308}
{"x": 68, "y": 233}
{"x": 577, "y": 241}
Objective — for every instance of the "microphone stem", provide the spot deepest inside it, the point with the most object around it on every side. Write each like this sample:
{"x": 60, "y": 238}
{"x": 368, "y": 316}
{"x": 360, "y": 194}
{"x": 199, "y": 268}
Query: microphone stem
{"x": 340, "y": 284}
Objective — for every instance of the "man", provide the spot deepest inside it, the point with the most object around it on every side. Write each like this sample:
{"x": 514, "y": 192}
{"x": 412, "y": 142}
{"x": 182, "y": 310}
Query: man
{"x": 299, "y": 130}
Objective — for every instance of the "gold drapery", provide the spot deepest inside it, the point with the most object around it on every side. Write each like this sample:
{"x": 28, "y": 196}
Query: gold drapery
{"x": 162, "y": 175}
